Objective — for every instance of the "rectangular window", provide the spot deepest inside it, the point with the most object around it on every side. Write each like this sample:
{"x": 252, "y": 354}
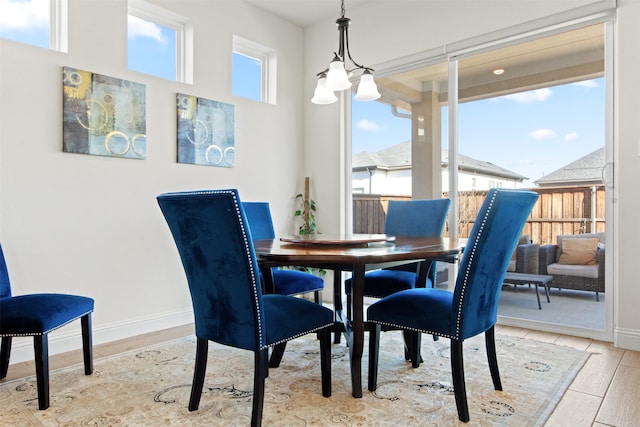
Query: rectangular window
{"x": 41, "y": 23}
{"x": 158, "y": 41}
{"x": 253, "y": 71}
{"x": 247, "y": 76}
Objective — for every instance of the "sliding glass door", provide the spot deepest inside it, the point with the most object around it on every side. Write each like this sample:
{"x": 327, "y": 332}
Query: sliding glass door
{"x": 522, "y": 114}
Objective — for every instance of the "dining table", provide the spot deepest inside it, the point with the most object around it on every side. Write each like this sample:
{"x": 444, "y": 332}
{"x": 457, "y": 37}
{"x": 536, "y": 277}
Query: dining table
{"x": 354, "y": 253}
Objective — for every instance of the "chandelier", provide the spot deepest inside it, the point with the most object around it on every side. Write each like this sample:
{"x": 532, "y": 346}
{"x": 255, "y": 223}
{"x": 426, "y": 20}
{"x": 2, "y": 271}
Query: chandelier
{"x": 336, "y": 77}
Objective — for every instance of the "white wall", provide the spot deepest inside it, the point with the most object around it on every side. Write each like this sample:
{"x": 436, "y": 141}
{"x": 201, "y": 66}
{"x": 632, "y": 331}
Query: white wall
{"x": 411, "y": 27}
{"x": 91, "y": 225}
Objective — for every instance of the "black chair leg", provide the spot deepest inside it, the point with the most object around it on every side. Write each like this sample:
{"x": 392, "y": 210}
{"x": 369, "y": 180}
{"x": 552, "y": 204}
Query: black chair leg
{"x": 374, "y": 349}
{"x": 412, "y": 344}
{"x": 325, "y": 360}
{"x": 459, "y": 388}
{"x": 276, "y": 355}
{"x": 490, "y": 344}
{"x": 41, "y": 350}
{"x": 5, "y": 353}
{"x": 260, "y": 373}
{"x": 202, "y": 347}
{"x": 317, "y": 297}
{"x": 87, "y": 344}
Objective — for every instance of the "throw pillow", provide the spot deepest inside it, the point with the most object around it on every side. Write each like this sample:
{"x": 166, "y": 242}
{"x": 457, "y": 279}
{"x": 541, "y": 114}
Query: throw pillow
{"x": 579, "y": 252}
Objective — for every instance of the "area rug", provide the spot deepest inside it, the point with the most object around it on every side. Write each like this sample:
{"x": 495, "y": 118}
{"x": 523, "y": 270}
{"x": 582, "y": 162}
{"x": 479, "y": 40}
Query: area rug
{"x": 151, "y": 386}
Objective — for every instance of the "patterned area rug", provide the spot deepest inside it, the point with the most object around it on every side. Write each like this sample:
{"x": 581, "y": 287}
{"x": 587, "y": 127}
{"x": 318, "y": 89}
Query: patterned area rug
{"x": 151, "y": 386}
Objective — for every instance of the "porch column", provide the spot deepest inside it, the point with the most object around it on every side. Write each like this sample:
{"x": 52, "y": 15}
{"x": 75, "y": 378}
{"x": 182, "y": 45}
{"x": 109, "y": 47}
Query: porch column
{"x": 426, "y": 151}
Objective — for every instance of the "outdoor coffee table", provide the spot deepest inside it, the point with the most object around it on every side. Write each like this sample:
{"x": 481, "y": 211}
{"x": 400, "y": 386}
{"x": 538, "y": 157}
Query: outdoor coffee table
{"x": 530, "y": 279}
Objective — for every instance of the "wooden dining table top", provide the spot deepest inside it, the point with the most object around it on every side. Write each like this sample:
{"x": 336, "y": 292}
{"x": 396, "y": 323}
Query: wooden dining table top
{"x": 344, "y": 249}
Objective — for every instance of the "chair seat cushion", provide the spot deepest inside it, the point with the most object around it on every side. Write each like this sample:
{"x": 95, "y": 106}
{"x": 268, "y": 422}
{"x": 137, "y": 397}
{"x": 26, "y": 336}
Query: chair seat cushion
{"x": 588, "y": 271}
{"x": 409, "y": 308}
{"x": 38, "y": 314}
{"x": 292, "y": 282}
{"x": 288, "y": 317}
{"x": 380, "y": 283}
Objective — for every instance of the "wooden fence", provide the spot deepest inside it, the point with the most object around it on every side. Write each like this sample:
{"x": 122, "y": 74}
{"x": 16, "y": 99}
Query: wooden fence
{"x": 559, "y": 210}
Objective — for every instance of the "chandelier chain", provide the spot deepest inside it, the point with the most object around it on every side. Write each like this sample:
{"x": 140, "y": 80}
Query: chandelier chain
{"x": 342, "y": 10}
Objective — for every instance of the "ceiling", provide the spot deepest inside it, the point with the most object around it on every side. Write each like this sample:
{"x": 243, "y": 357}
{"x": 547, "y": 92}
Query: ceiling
{"x": 305, "y": 12}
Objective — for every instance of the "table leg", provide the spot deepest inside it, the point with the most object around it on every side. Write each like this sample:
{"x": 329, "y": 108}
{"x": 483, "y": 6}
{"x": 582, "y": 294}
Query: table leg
{"x": 546, "y": 291}
{"x": 357, "y": 324}
{"x": 538, "y": 296}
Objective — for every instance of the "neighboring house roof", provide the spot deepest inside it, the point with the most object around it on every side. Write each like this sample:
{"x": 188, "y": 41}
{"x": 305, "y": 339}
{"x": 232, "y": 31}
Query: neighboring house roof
{"x": 586, "y": 170}
{"x": 399, "y": 157}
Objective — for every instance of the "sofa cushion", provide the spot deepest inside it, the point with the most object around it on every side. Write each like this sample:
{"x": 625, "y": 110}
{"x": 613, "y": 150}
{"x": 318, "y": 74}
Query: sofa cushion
{"x": 579, "y": 252}
{"x": 588, "y": 271}
{"x": 561, "y": 238}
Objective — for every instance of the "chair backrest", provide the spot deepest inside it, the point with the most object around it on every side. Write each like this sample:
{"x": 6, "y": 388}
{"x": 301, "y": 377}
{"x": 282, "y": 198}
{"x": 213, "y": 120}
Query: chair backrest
{"x": 5, "y": 285}
{"x": 259, "y": 219}
{"x": 485, "y": 260}
{"x": 213, "y": 240}
{"x": 416, "y": 218}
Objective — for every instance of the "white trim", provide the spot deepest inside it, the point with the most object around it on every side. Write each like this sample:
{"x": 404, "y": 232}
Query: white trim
{"x": 59, "y": 25}
{"x": 69, "y": 337}
{"x": 593, "y": 13}
{"x": 549, "y": 25}
{"x": 627, "y": 338}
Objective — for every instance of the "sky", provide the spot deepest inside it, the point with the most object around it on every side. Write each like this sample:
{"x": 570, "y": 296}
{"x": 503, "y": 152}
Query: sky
{"x": 531, "y": 133}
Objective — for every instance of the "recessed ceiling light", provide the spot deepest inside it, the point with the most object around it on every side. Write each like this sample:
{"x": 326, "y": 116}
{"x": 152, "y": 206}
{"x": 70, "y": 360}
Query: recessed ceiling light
{"x": 498, "y": 71}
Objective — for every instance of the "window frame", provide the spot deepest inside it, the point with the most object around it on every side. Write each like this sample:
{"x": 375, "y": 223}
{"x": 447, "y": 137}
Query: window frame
{"x": 268, "y": 60}
{"x": 58, "y": 31}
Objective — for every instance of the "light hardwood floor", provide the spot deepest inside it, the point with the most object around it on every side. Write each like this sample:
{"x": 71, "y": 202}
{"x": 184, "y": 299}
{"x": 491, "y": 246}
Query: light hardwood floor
{"x": 605, "y": 392}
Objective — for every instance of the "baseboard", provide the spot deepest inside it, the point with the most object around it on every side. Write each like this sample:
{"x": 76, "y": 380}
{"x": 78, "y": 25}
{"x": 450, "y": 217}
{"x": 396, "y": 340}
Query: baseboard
{"x": 69, "y": 337}
{"x": 627, "y": 338}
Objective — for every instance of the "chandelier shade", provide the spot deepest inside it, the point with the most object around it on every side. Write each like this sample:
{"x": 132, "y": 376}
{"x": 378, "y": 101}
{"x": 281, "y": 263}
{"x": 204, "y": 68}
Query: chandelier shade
{"x": 336, "y": 76}
{"x": 322, "y": 95}
{"x": 367, "y": 89}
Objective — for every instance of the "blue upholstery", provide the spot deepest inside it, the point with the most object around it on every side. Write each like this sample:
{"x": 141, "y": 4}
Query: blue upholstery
{"x": 472, "y": 307}
{"x": 216, "y": 248}
{"x": 285, "y": 281}
{"x": 36, "y": 315}
{"x": 409, "y": 218}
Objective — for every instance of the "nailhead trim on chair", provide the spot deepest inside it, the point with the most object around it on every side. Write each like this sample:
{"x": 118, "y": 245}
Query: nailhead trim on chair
{"x": 32, "y": 334}
{"x": 470, "y": 263}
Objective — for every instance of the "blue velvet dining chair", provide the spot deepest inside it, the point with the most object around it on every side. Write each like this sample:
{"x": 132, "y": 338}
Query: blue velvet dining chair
{"x": 215, "y": 245}
{"x": 285, "y": 281}
{"x": 408, "y": 218}
{"x": 36, "y": 315}
{"x": 472, "y": 307}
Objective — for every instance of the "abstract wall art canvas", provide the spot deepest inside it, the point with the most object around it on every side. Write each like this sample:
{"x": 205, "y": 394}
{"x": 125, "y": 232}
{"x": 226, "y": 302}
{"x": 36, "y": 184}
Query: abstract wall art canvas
{"x": 206, "y": 134}
{"x": 103, "y": 116}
